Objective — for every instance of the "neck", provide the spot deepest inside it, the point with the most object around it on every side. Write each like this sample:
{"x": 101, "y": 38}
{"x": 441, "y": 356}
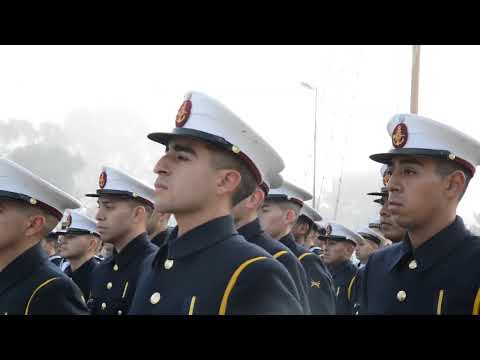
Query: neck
{"x": 8, "y": 255}
{"x": 77, "y": 262}
{"x": 125, "y": 240}
{"x": 284, "y": 233}
{"x": 246, "y": 220}
{"x": 189, "y": 221}
{"x": 422, "y": 233}
{"x": 157, "y": 231}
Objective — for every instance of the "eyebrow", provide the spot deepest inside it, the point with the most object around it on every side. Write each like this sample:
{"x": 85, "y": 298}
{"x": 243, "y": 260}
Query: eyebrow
{"x": 182, "y": 148}
{"x": 410, "y": 161}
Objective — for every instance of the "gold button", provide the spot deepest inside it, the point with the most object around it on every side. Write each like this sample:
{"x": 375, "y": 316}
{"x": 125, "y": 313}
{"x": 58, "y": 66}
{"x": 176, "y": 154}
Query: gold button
{"x": 155, "y": 298}
{"x": 168, "y": 264}
{"x": 104, "y": 306}
{"x": 451, "y": 156}
{"x": 33, "y": 201}
{"x": 109, "y": 285}
{"x": 401, "y": 295}
{"x": 119, "y": 312}
{"x": 412, "y": 265}
{"x": 235, "y": 149}
{"x": 115, "y": 267}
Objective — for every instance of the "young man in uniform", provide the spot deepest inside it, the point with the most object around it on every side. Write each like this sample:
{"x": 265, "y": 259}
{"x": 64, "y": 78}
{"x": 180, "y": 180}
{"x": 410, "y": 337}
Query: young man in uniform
{"x": 124, "y": 206}
{"x": 247, "y": 223}
{"x": 278, "y": 216}
{"x": 207, "y": 267}
{"x": 341, "y": 243}
{"x": 157, "y": 228}
{"x": 79, "y": 244}
{"x": 50, "y": 245}
{"x": 30, "y": 284}
{"x": 435, "y": 269}
{"x": 369, "y": 242}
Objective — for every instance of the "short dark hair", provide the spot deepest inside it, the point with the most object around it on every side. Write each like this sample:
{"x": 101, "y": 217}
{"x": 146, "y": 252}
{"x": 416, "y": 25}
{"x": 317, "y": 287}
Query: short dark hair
{"x": 222, "y": 160}
{"x": 446, "y": 167}
{"x": 305, "y": 220}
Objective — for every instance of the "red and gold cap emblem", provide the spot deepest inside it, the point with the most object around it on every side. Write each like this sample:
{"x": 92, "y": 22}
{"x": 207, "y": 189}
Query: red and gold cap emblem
{"x": 183, "y": 113}
{"x": 399, "y": 136}
{"x": 328, "y": 230}
{"x": 386, "y": 178}
{"x": 102, "y": 180}
{"x": 68, "y": 223}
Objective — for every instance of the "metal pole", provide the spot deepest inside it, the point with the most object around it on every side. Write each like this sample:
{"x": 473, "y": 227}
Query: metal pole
{"x": 415, "y": 79}
{"x": 315, "y": 153}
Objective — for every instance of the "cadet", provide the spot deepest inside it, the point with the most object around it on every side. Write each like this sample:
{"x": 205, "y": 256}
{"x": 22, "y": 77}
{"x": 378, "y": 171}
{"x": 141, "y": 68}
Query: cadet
{"x": 388, "y": 227}
{"x": 341, "y": 243}
{"x": 245, "y": 215}
{"x": 79, "y": 245}
{"x": 29, "y": 209}
{"x": 278, "y": 215}
{"x": 368, "y": 242}
{"x": 157, "y": 228}
{"x": 49, "y": 244}
{"x": 305, "y": 225}
{"x": 125, "y": 205}
{"x": 211, "y": 164}
{"x": 435, "y": 269}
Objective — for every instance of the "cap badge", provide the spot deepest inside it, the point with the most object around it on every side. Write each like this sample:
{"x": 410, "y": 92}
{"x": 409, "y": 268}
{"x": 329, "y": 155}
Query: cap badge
{"x": 328, "y": 230}
{"x": 183, "y": 113}
{"x": 68, "y": 222}
{"x": 102, "y": 180}
{"x": 386, "y": 178}
{"x": 400, "y": 135}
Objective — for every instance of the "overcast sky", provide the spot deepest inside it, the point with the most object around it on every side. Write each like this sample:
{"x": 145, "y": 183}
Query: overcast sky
{"x": 359, "y": 89}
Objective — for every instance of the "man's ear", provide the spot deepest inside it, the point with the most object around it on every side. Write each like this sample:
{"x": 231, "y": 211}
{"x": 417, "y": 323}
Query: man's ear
{"x": 140, "y": 213}
{"x": 455, "y": 184}
{"x": 34, "y": 224}
{"x": 291, "y": 216}
{"x": 228, "y": 181}
{"x": 255, "y": 200}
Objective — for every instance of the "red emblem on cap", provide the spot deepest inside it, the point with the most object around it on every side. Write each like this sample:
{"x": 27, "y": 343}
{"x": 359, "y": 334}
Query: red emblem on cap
{"x": 102, "y": 180}
{"x": 328, "y": 230}
{"x": 386, "y": 178}
{"x": 399, "y": 135}
{"x": 183, "y": 113}
{"x": 69, "y": 221}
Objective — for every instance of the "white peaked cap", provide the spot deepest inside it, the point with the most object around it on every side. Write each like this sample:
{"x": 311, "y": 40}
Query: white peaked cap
{"x": 340, "y": 232}
{"x": 206, "y": 119}
{"x": 290, "y": 192}
{"x": 310, "y": 212}
{"x": 418, "y": 135}
{"x": 18, "y": 183}
{"x": 115, "y": 182}
{"x": 364, "y": 230}
{"x": 77, "y": 223}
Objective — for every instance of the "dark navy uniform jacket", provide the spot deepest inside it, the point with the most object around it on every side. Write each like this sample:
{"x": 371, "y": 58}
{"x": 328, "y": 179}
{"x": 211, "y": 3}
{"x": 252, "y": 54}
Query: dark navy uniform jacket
{"x": 254, "y": 234}
{"x": 212, "y": 269}
{"x": 344, "y": 277}
{"x": 83, "y": 276}
{"x": 320, "y": 288}
{"x": 161, "y": 238}
{"x": 442, "y": 276}
{"x": 115, "y": 279}
{"x": 32, "y": 285}
{"x": 56, "y": 259}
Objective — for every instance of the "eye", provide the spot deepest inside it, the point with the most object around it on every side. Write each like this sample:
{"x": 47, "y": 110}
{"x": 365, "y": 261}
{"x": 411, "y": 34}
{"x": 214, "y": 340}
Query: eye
{"x": 409, "y": 171}
{"x": 182, "y": 157}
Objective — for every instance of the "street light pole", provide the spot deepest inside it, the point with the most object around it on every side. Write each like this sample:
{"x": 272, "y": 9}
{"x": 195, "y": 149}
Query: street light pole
{"x": 308, "y": 86}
